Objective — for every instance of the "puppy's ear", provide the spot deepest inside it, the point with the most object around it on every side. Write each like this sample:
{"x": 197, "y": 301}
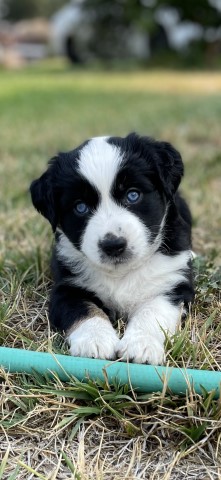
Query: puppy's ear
{"x": 169, "y": 166}
{"x": 43, "y": 198}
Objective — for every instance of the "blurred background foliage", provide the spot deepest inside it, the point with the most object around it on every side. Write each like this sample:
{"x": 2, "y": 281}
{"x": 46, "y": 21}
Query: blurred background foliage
{"x": 203, "y": 12}
{"x": 182, "y": 32}
{"x": 18, "y": 10}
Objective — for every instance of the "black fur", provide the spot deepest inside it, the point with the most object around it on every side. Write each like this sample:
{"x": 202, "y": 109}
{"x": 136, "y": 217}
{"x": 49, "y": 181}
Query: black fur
{"x": 156, "y": 169}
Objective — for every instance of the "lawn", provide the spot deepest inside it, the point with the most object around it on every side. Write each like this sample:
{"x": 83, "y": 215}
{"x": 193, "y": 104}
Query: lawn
{"x": 51, "y": 430}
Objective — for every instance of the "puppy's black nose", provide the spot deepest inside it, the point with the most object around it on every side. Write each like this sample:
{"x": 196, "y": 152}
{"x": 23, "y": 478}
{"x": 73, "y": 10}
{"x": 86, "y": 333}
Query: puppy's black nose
{"x": 112, "y": 245}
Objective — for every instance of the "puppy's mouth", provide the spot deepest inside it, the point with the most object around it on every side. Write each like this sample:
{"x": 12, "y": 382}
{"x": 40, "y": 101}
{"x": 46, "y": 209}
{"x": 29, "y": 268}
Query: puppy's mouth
{"x": 116, "y": 260}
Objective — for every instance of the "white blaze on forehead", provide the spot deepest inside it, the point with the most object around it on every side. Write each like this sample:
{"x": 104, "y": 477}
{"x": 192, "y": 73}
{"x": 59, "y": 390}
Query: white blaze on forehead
{"x": 99, "y": 162}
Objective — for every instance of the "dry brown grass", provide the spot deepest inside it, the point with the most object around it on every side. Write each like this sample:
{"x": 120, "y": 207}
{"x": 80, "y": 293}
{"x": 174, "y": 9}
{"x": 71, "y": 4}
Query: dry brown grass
{"x": 47, "y": 428}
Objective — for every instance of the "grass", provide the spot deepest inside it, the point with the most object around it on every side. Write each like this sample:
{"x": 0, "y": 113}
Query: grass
{"x": 54, "y": 430}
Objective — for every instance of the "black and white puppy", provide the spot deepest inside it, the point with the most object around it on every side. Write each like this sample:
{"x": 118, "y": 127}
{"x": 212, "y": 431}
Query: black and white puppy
{"x": 122, "y": 245}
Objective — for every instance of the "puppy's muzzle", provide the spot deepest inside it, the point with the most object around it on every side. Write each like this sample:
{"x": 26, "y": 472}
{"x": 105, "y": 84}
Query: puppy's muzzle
{"x": 112, "y": 245}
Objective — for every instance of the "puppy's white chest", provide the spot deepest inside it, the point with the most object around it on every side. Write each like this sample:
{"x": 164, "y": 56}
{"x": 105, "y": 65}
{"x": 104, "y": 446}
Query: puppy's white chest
{"x": 156, "y": 276}
{"x": 125, "y": 289}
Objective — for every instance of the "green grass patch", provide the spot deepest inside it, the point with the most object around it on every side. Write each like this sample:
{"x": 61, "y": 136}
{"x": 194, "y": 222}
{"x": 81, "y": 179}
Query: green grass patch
{"x": 94, "y": 430}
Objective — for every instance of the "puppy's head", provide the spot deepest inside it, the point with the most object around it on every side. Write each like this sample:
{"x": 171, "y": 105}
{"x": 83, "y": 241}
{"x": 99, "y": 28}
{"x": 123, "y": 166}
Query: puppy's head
{"x": 110, "y": 197}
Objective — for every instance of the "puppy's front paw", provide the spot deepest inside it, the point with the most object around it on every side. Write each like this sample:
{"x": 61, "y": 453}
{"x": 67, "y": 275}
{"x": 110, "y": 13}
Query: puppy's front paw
{"x": 94, "y": 338}
{"x": 141, "y": 348}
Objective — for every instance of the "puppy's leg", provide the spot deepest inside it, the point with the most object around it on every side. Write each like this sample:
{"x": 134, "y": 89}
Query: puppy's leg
{"x": 93, "y": 337}
{"x": 143, "y": 341}
{"x": 88, "y": 329}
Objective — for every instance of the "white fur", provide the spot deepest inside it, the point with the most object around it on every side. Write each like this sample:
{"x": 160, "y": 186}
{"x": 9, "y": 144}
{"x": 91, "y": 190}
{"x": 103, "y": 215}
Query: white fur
{"x": 143, "y": 341}
{"x": 127, "y": 286}
{"x": 94, "y": 338}
{"x": 137, "y": 287}
{"x": 138, "y": 292}
{"x": 99, "y": 163}
{"x": 112, "y": 218}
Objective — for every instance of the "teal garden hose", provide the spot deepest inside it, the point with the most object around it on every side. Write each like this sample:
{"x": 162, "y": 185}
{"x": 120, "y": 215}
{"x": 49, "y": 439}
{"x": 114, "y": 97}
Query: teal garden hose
{"x": 142, "y": 378}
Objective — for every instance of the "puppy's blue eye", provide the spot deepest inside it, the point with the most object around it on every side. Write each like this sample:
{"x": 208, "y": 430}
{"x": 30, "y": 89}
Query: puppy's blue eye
{"x": 81, "y": 208}
{"x": 133, "y": 196}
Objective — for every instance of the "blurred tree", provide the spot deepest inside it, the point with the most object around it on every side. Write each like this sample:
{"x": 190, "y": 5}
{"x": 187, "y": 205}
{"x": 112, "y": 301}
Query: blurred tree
{"x": 22, "y": 9}
{"x": 114, "y": 22}
{"x": 202, "y": 12}
{"x": 111, "y": 17}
